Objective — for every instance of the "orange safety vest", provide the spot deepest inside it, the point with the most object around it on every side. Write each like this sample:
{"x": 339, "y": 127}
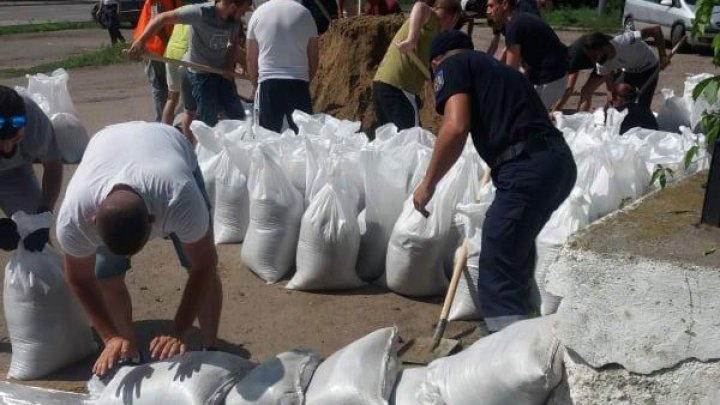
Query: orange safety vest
{"x": 157, "y": 43}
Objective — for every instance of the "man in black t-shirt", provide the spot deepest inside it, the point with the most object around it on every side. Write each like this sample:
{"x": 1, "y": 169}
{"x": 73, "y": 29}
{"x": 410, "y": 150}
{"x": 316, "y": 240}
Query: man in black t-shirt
{"x": 532, "y": 166}
{"x": 531, "y": 43}
{"x": 577, "y": 61}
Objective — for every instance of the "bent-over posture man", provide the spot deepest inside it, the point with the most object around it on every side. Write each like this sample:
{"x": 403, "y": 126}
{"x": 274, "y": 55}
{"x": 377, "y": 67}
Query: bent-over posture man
{"x": 282, "y": 57}
{"x": 215, "y": 36}
{"x": 578, "y": 61}
{"x": 398, "y": 81}
{"x": 532, "y": 166}
{"x": 26, "y": 136}
{"x": 532, "y": 44}
{"x": 630, "y": 53}
{"x": 138, "y": 181}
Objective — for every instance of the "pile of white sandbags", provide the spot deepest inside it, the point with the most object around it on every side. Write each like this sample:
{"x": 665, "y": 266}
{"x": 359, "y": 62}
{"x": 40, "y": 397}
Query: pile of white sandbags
{"x": 52, "y": 95}
{"x": 48, "y": 329}
{"x": 679, "y": 111}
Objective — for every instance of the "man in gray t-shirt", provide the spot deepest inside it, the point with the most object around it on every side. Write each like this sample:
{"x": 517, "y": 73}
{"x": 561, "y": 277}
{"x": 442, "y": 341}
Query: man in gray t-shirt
{"x": 215, "y": 35}
{"x": 26, "y": 136}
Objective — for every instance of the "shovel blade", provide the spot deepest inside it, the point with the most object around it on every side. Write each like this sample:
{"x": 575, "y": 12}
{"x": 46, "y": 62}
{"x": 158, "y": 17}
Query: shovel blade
{"x": 421, "y": 351}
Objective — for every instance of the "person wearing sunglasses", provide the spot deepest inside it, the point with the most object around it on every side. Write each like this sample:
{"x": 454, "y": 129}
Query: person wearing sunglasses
{"x": 531, "y": 165}
{"x": 26, "y": 137}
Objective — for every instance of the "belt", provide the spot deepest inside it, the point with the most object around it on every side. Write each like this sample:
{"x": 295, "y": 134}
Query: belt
{"x": 531, "y": 145}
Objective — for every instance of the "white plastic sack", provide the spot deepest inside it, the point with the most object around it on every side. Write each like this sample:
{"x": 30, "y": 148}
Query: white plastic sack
{"x": 54, "y": 89}
{"x": 674, "y": 112}
{"x": 407, "y": 386}
{"x": 279, "y": 381}
{"x": 70, "y": 135}
{"x": 194, "y": 378}
{"x": 328, "y": 244}
{"x": 48, "y": 329}
{"x": 232, "y": 204}
{"x": 518, "y": 365}
{"x": 16, "y": 394}
{"x": 208, "y": 155}
{"x": 466, "y": 304}
{"x": 415, "y": 263}
{"x": 276, "y": 209}
{"x": 361, "y": 373}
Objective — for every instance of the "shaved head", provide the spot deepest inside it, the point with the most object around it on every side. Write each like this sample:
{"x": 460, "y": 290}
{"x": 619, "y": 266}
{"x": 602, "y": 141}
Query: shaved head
{"x": 123, "y": 222}
{"x": 623, "y": 94}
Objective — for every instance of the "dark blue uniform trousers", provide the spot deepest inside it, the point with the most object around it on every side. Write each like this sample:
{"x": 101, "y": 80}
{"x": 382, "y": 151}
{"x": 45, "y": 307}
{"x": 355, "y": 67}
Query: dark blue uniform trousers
{"x": 529, "y": 188}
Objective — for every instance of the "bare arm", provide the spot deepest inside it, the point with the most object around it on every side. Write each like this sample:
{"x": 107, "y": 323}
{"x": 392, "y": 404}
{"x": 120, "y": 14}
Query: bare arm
{"x": 51, "y": 184}
{"x": 587, "y": 91}
{"x": 313, "y": 53}
{"x": 448, "y": 147}
{"x": 569, "y": 89}
{"x": 494, "y": 43}
{"x": 654, "y": 32}
{"x": 232, "y": 54}
{"x": 419, "y": 16}
{"x": 203, "y": 264}
{"x": 80, "y": 275}
{"x": 251, "y": 58}
{"x": 512, "y": 56}
{"x": 153, "y": 28}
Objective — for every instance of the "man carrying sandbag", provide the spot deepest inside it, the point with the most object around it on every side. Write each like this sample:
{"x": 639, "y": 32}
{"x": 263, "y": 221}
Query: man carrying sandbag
{"x": 532, "y": 166}
{"x": 26, "y": 136}
{"x": 120, "y": 197}
{"x": 399, "y": 81}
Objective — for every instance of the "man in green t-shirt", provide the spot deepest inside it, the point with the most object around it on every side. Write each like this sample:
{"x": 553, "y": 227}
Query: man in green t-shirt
{"x": 398, "y": 80}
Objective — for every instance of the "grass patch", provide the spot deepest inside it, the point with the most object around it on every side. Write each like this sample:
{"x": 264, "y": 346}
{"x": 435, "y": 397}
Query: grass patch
{"x": 107, "y": 55}
{"x": 48, "y": 26}
{"x": 585, "y": 18}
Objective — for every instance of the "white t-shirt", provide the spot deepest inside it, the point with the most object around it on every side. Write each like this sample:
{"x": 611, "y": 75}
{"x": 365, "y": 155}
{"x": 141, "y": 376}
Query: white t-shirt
{"x": 631, "y": 54}
{"x": 282, "y": 29}
{"x": 157, "y": 162}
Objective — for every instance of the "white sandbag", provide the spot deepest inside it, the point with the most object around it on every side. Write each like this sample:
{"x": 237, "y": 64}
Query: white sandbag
{"x": 16, "y": 394}
{"x": 407, "y": 386}
{"x": 466, "y": 304}
{"x": 208, "y": 155}
{"x": 48, "y": 329}
{"x": 674, "y": 112}
{"x": 54, "y": 89}
{"x": 282, "y": 380}
{"x": 415, "y": 263}
{"x": 276, "y": 209}
{"x": 232, "y": 204}
{"x": 328, "y": 244}
{"x": 596, "y": 177}
{"x": 518, "y": 365}
{"x": 699, "y": 106}
{"x": 194, "y": 378}
{"x": 572, "y": 216}
{"x": 361, "y": 373}
{"x": 71, "y": 137}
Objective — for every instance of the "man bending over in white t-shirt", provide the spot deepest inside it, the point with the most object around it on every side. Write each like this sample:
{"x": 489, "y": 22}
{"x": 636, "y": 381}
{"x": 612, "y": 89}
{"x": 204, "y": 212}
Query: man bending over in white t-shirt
{"x": 629, "y": 53}
{"x": 121, "y": 196}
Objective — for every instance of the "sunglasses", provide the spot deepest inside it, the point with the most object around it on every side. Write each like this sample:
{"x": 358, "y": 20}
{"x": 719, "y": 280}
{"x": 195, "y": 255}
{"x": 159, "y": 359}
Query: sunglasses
{"x": 16, "y": 121}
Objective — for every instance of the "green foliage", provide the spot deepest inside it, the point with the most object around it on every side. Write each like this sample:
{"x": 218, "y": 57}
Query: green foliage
{"x": 47, "y": 27}
{"x": 660, "y": 175}
{"x": 584, "y": 17}
{"x": 106, "y": 55}
{"x": 703, "y": 13}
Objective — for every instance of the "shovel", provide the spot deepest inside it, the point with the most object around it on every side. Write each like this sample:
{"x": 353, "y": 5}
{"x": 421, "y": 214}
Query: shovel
{"x": 425, "y": 350}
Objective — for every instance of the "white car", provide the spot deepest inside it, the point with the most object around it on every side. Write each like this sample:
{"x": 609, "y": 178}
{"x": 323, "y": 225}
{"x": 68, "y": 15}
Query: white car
{"x": 675, "y": 17}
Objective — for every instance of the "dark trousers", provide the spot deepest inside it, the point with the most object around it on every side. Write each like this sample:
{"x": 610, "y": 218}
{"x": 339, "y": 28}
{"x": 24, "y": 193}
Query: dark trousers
{"x": 393, "y": 106}
{"x": 638, "y": 80}
{"x": 110, "y": 19}
{"x": 214, "y": 93}
{"x": 529, "y": 188}
{"x": 278, "y": 98}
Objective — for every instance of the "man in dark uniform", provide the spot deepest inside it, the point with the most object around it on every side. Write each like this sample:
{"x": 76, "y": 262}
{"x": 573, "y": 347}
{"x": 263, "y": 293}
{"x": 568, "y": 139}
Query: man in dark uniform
{"x": 532, "y": 166}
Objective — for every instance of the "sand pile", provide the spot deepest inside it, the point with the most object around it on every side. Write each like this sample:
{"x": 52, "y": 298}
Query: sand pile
{"x": 350, "y": 53}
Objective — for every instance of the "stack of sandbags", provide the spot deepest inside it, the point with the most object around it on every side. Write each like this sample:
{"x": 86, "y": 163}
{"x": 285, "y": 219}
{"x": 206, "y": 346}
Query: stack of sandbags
{"x": 48, "y": 329}
{"x": 52, "y": 95}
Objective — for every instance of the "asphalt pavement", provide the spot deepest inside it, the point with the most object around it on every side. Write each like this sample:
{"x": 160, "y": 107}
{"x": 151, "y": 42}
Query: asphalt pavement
{"x": 33, "y": 12}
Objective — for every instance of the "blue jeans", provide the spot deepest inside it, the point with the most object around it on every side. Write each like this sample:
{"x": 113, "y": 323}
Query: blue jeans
{"x": 213, "y": 94}
{"x": 529, "y": 189}
{"x": 109, "y": 265}
{"x": 155, "y": 72}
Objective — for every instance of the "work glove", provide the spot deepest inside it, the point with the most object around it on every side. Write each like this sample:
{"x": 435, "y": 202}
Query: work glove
{"x": 9, "y": 236}
{"x": 36, "y": 241}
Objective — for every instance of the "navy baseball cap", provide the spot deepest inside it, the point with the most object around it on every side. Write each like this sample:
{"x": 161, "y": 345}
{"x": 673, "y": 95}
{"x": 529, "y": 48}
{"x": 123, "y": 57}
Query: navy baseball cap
{"x": 448, "y": 41}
